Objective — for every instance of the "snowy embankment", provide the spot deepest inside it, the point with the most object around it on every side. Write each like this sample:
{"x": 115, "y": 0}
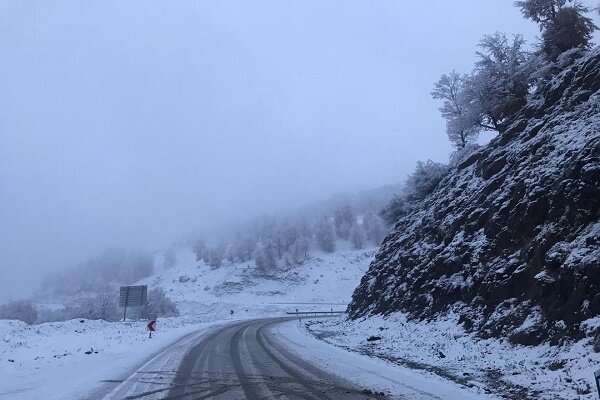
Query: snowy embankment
{"x": 396, "y": 381}
{"x": 443, "y": 347}
{"x": 69, "y": 360}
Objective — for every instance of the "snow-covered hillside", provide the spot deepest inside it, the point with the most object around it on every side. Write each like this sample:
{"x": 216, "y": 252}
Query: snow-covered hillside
{"x": 323, "y": 281}
{"x": 37, "y": 360}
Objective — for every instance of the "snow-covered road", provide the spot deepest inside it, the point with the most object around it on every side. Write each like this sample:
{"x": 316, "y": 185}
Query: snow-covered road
{"x": 273, "y": 358}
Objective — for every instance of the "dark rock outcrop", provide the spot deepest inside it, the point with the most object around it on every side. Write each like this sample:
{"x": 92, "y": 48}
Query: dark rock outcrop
{"x": 510, "y": 238}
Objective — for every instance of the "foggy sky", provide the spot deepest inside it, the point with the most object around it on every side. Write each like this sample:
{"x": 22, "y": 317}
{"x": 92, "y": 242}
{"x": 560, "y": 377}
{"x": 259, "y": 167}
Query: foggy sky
{"x": 131, "y": 123}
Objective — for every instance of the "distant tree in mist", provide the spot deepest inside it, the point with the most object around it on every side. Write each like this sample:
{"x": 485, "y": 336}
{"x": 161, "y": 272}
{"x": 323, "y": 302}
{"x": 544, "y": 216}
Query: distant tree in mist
{"x": 358, "y": 236}
{"x": 343, "y": 218}
{"x": 215, "y": 256}
{"x": 113, "y": 266}
{"x": 299, "y": 249}
{"x": 199, "y": 247}
{"x": 21, "y": 310}
{"x": 374, "y": 228}
{"x": 264, "y": 256}
{"x": 160, "y": 305}
{"x": 325, "y": 235}
{"x": 170, "y": 258}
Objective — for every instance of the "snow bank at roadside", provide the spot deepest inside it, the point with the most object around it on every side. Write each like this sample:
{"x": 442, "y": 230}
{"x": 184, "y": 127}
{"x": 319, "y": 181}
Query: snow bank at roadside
{"x": 66, "y": 360}
{"x": 378, "y": 375}
{"x": 443, "y": 347}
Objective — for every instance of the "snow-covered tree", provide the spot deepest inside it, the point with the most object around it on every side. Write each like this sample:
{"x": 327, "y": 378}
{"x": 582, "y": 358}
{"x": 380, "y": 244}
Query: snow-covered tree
{"x": 102, "y": 306}
{"x": 215, "y": 256}
{"x": 374, "y": 228}
{"x": 343, "y": 218}
{"x": 264, "y": 256}
{"x": 501, "y": 80}
{"x": 170, "y": 258}
{"x": 571, "y": 29}
{"x": 395, "y": 209}
{"x": 159, "y": 304}
{"x": 325, "y": 235}
{"x": 462, "y": 124}
{"x": 299, "y": 249}
{"x": 231, "y": 252}
{"x": 563, "y": 26}
{"x": 424, "y": 179}
{"x": 199, "y": 247}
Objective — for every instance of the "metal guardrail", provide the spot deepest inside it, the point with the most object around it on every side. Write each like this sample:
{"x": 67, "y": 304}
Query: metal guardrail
{"x": 315, "y": 313}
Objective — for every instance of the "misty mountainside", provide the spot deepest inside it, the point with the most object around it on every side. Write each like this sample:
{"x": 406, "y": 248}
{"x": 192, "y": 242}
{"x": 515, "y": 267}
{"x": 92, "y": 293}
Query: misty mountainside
{"x": 197, "y": 288}
{"x": 269, "y": 245}
{"x": 510, "y": 237}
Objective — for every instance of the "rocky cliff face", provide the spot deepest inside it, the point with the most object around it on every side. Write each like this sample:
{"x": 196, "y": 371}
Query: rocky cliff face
{"x": 510, "y": 238}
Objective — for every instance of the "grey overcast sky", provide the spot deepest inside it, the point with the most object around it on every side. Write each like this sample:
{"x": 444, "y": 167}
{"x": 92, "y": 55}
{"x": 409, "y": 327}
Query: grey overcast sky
{"x": 130, "y": 123}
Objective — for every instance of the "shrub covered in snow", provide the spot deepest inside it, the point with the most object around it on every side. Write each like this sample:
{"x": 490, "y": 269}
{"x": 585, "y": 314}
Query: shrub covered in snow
{"x": 160, "y": 305}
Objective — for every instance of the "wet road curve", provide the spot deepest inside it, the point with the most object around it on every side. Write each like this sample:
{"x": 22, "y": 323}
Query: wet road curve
{"x": 247, "y": 361}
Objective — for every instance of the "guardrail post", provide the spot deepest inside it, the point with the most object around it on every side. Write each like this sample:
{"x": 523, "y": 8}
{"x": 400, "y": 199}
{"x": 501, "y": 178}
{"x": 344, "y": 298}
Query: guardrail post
{"x": 597, "y": 378}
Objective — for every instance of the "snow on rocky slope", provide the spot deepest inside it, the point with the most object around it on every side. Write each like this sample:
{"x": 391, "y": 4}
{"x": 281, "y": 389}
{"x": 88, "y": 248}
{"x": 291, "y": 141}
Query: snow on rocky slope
{"x": 510, "y": 238}
{"x": 443, "y": 347}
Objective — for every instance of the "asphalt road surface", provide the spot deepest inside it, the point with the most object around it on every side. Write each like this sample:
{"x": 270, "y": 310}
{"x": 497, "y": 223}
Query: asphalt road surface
{"x": 243, "y": 360}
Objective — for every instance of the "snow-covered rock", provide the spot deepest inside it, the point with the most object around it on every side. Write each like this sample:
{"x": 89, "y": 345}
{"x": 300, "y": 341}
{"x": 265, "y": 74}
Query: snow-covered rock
{"x": 512, "y": 230}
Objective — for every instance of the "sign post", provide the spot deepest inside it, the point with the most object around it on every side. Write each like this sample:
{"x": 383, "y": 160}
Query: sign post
{"x": 151, "y": 327}
{"x": 597, "y": 378}
{"x": 132, "y": 296}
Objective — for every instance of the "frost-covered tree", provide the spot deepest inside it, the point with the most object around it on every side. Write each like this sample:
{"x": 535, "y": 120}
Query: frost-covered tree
{"x": 374, "y": 228}
{"x": 395, "y": 209}
{"x": 462, "y": 125}
{"x": 299, "y": 249}
{"x": 215, "y": 256}
{"x": 102, "y": 306}
{"x": 230, "y": 253}
{"x": 325, "y": 235}
{"x": 246, "y": 248}
{"x": 159, "y": 304}
{"x": 571, "y": 29}
{"x": 343, "y": 218}
{"x": 170, "y": 258}
{"x": 264, "y": 256}
{"x": 424, "y": 179}
{"x": 500, "y": 82}
{"x": 199, "y": 248}
{"x": 564, "y": 26}
{"x": 22, "y": 310}
{"x": 358, "y": 236}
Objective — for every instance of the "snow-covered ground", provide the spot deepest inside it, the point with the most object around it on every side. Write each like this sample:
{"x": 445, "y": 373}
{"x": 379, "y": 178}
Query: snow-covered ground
{"x": 36, "y": 361}
{"x": 443, "y": 347}
{"x": 67, "y": 360}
